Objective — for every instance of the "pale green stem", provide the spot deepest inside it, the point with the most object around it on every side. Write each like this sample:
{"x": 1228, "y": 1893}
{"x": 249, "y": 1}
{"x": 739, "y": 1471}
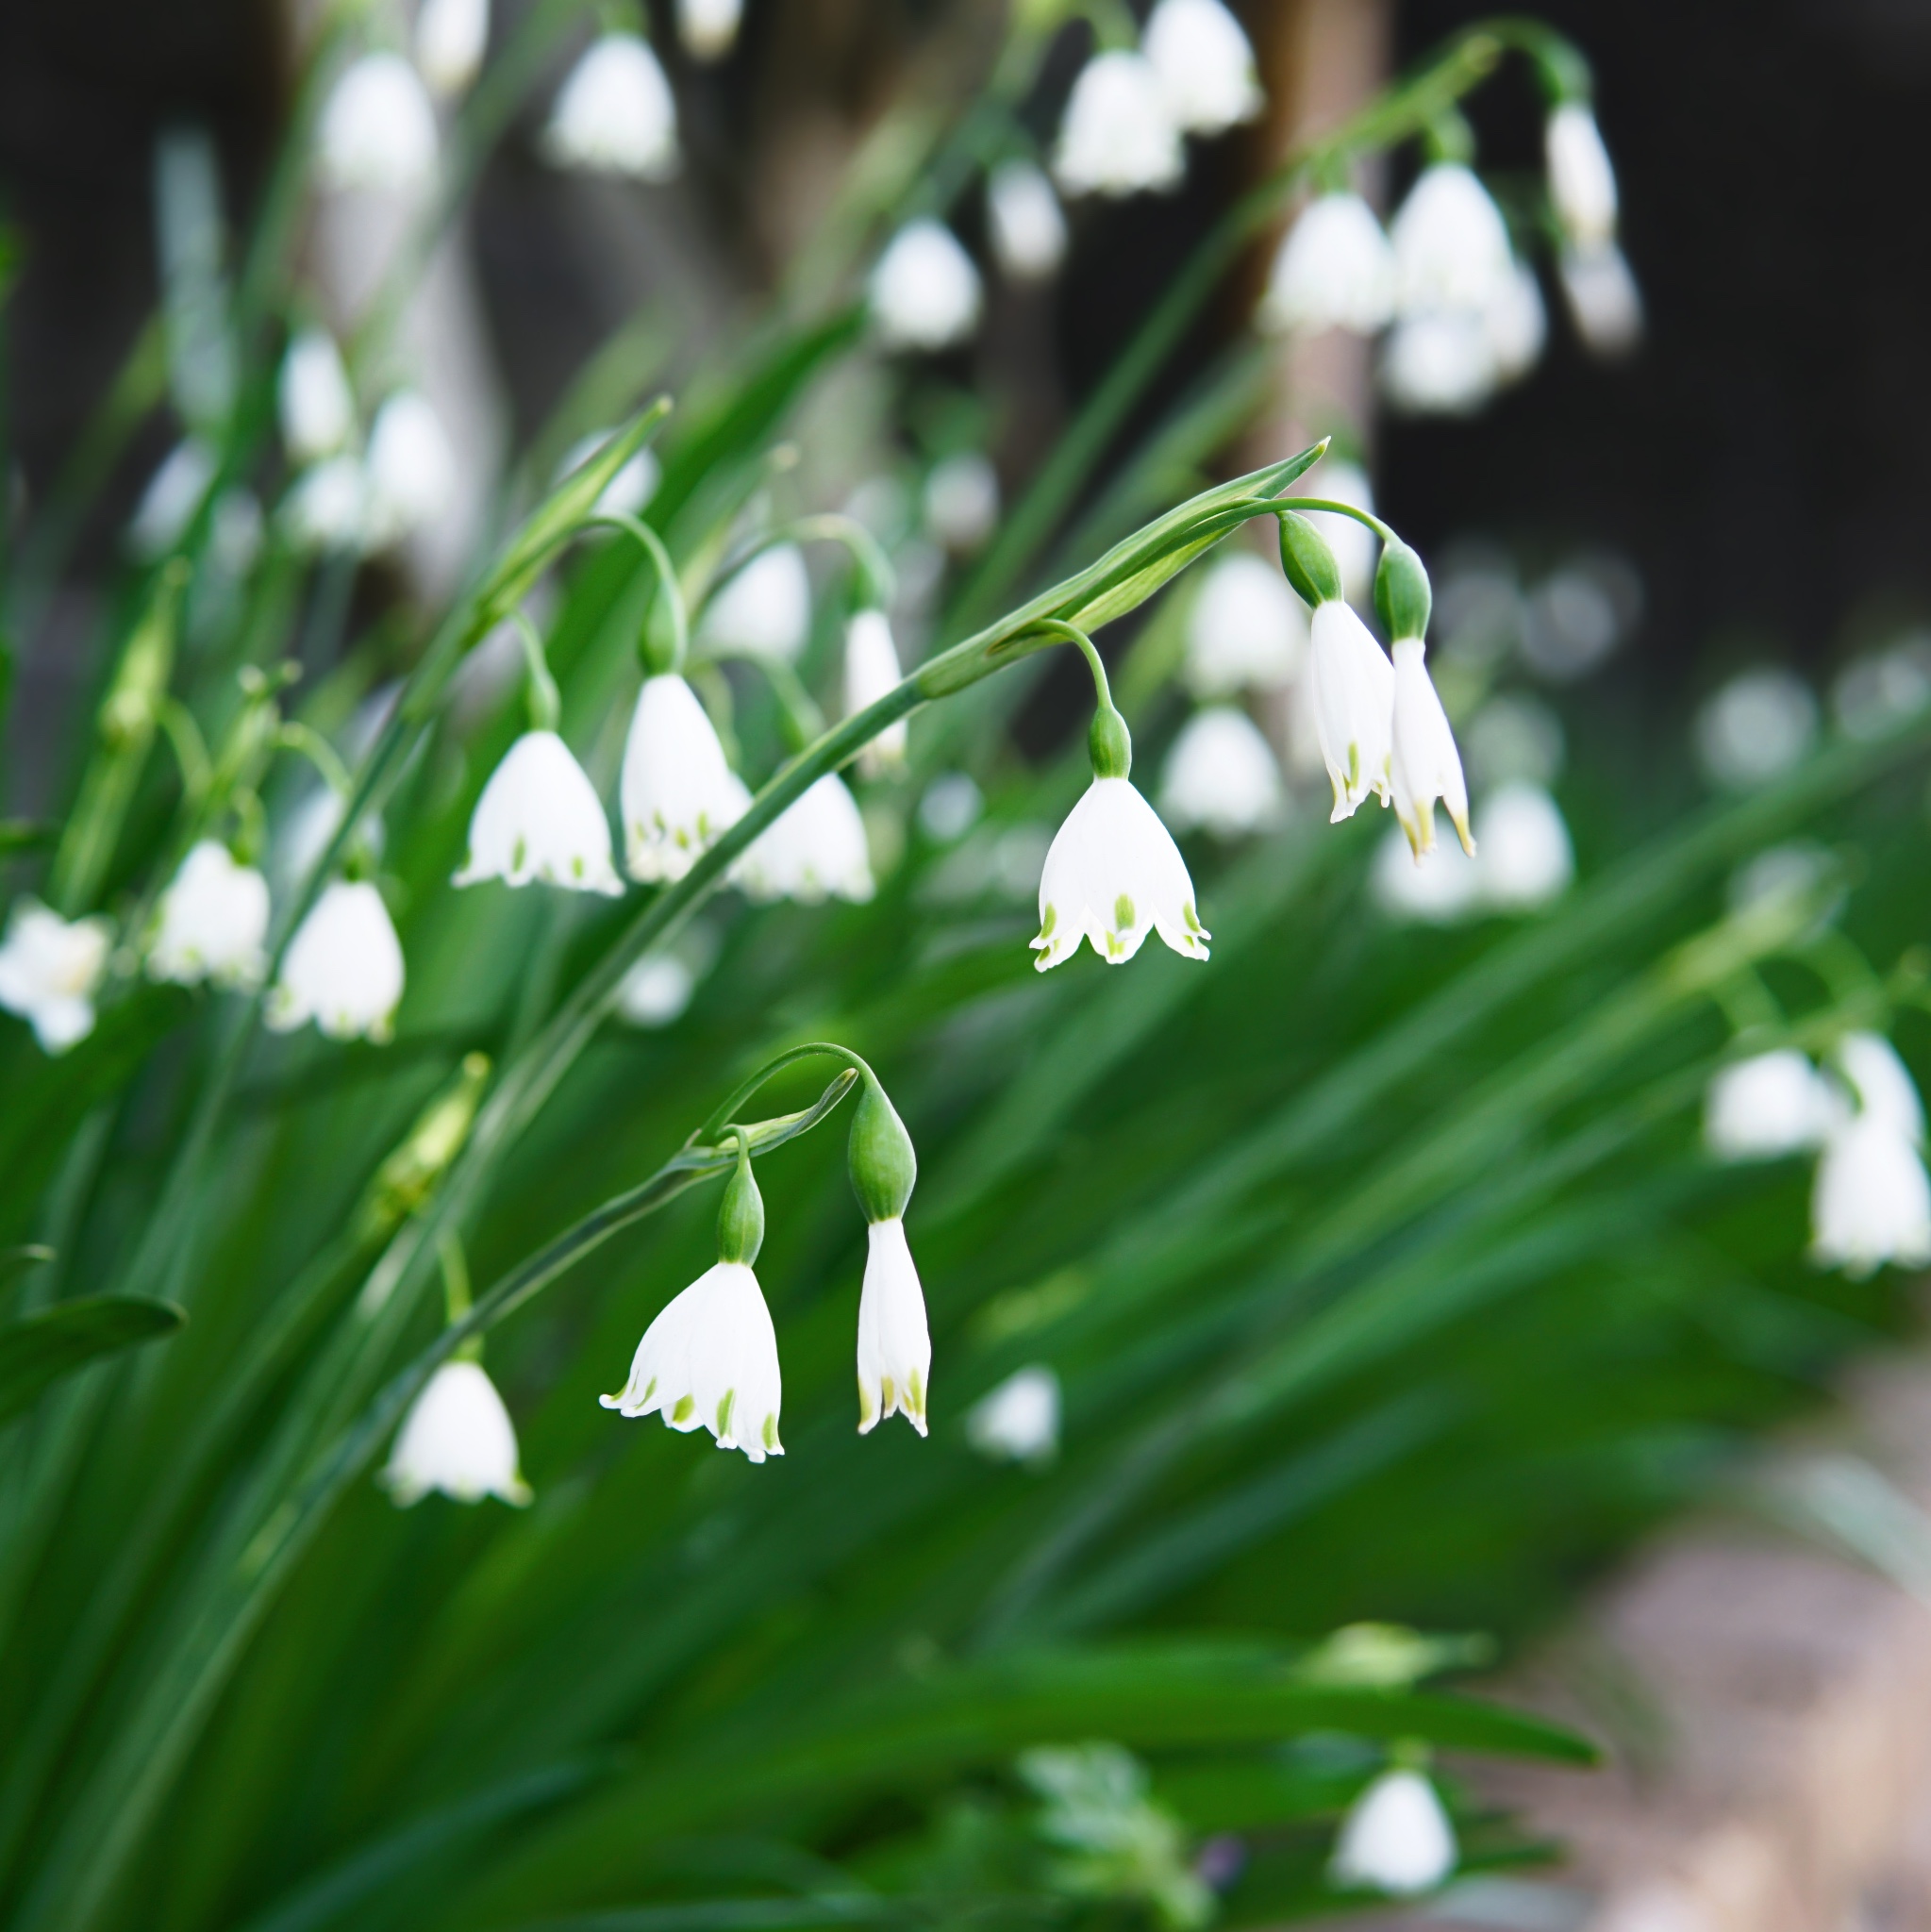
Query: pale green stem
{"x": 545, "y": 703}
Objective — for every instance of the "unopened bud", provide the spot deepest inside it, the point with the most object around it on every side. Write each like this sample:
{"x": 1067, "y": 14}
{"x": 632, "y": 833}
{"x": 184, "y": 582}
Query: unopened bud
{"x": 882, "y": 1164}
{"x": 740, "y": 1218}
{"x": 1110, "y": 743}
{"x": 403, "y": 1181}
{"x": 1401, "y": 591}
{"x": 1307, "y": 561}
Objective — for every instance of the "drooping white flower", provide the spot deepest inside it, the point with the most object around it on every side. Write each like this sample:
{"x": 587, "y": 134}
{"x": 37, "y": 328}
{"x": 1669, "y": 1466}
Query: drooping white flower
{"x": 327, "y": 507}
{"x": 1451, "y": 244}
{"x": 764, "y": 609}
{"x": 1439, "y": 363}
{"x": 1356, "y": 547}
{"x": 1247, "y": 629}
{"x": 1424, "y": 764}
{"x": 1119, "y": 135}
{"x": 615, "y": 114}
{"x": 343, "y": 969}
{"x": 951, "y": 806}
{"x": 1019, "y": 1421}
{"x": 655, "y": 991}
{"x": 1582, "y": 180}
{"x": 709, "y": 29}
{"x": 1766, "y": 1107}
{"x": 872, "y": 669}
{"x": 630, "y": 489}
{"x": 1604, "y": 300}
{"x": 1517, "y": 324}
{"x": 1396, "y": 1838}
{"x": 172, "y": 498}
{"x": 924, "y": 291}
{"x": 1112, "y": 876}
{"x": 1204, "y": 64}
{"x": 451, "y": 37}
{"x": 1872, "y": 1201}
{"x": 1352, "y": 685}
{"x": 1882, "y": 1083}
{"x": 457, "y": 1438}
{"x": 377, "y": 129}
{"x": 1441, "y": 889}
{"x": 539, "y": 818}
{"x": 1335, "y": 270}
{"x": 677, "y": 794}
{"x": 212, "y": 920}
{"x": 49, "y": 967}
{"x": 410, "y": 470}
{"x": 1025, "y": 222}
{"x": 895, "y": 1347}
{"x": 961, "y": 500}
{"x": 816, "y": 849}
{"x": 1526, "y": 856}
{"x": 1221, "y": 776}
{"x": 316, "y": 405}
{"x": 709, "y": 1360}
{"x": 1755, "y": 728}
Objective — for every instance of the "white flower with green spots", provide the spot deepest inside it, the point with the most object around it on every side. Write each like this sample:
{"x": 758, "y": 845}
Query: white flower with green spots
{"x": 677, "y": 794}
{"x": 1113, "y": 875}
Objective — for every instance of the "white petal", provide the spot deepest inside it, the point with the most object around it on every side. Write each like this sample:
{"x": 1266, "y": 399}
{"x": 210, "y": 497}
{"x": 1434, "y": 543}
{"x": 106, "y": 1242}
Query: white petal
{"x": 1019, "y": 1421}
{"x": 1883, "y": 1085}
{"x": 678, "y": 796}
{"x": 343, "y": 969}
{"x": 450, "y": 39}
{"x": 1526, "y": 856}
{"x": 1424, "y": 764}
{"x": 410, "y": 470}
{"x": 1119, "y": 135}
{"x": 1335, "y": 270}
{"x": 1582, "y": 180}
{"x": 1025, "y": 222}
{"x": 764, "y": 609}
{"x": 457, "y": 1438}
{"x": 816, "y": 849}
{"x": 49, "y": 967}
{"x": 1761, "y": 1108}
{"x": 1451, "y": 244}
{"x": 961, "y": 501}
{"x": 1396, "y": 1838}
{"x": 1113, "y": 875}
{"x": 317, "y": 406}
{"x": 895, "y": 1347}
{"x": 1221, "y": 776}
{"x": 377, "y": 129}
{"x": 709, "y": 29}
{"x": 1603, "y": 299}
{"x": 1246, "y": 629}
{"x": 1352, "y": 686}
{"x": 924, "y": 291}
{"x": 872, "y": 670}
{"x": 1204, "y": 65}
{"x": 539, "y": 818}
{"x": 615, "y": 114}
{"x": 1871, "y": 1202}
{"x": 212, "y": 920}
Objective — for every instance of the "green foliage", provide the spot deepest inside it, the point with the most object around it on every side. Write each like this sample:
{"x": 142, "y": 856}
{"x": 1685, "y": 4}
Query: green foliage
{"x": 39, "y": 1350}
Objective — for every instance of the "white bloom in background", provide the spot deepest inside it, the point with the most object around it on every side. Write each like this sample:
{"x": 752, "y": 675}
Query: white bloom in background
{"x": 172, "y": 498}
{"x": 1882, "y": 1083}
{"x": 925, "y": 290}
{"x": 709, "y": 29}
{"x": 1424, "y": 764}
{"x": 1604, "y": 300}
{"x": 1582, "y": 180}
{"x": 615, "y": 114}
{"x": 1221, "y": 776}
{"x": 1442, "y": 364}
{"x": 410, "y": 470}
{"x": 1204, "y": 64}
{"x": 1876, "y": 693}
{"x": 894, "y": 1346}
{"x": 343, "y": 969}
{"x": 951, "y": 806}
{"x": 1019, "y": 1421}
{"x": 539, "y": 818}
{"x": 1247, "y": 629}
{"x": 1026, "y": 221}
{"x": 49, "y": 967}
{"x": 1356, "y": 547}
{"x": 1112, "y": 876}
{"x": 1756, "y": 727}
{"x": 1517, "y": 323}
{"x": 677, "y": 795}
{"x": 764, "y": 609}
{"x": 1396, "y": 1838}
{"x": 1335, "y": 270}
{"x": 451, "y": 37}
{"x": 377, "y": 129}
{"x": 212, "y": 920}
{"x": 630, "y": 489}
{"x": 1764, "y": 1107}
{"x": 1119, "y": 135}
{"x": 710, "y": 1361}
{"x": 312, "y": 393}
{"x": 1441, "y": 889}
{"x": 1451, "y": 244}
{"x": 457, "y": 1438}
{"x": 1352, "y": 686}
{"x": 327, "y": 507}
{"x": 816, "y": 849}
{"x": 656, "y": 990}
{"x": 235, "y": 531}
{"x": 961, "y": 500}
{"x": 1872, "y": 1201}
{"x": 1526, "y": 857}
{"x": 872, "y": 669}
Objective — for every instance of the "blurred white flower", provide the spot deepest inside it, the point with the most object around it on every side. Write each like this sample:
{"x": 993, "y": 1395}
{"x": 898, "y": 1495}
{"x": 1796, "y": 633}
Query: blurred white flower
{"x": 709, "y": 29}
{"x": 1766, "y": 1107}
{"x": 212, "y": 920}
{"x": 1756, "y": 727}
{"x": 1439, "y": 363}
{"x": 815, "y": 849}
{"x": 1451, "y": 244}
{"x": 1526, "y": 858}
{"x": 457, "y": 1438}
{"x": 1335, "y": 270}
{"x": 1112, "y": 876}
{"x": 656, "y": 990}
{"x": 1878, "y": 692}
{"x": 377, "y": 129}
{"x": 709, "y": 1360}
{"x": 410, "y": 470}
{"x": 630, "y": 489}
{"x": 1517, "y": 324}
{"x": 1577, "y": 615}
{"x": 1246, "y": 629}
{"x": 951, "y": 806}
{"x": 451, "y": 37}
{"x": 1351, "y": 684}
{"x": 539, "y": 818}
{"x": 1025, "y": 222}
{"x": 1221, "y": 776}
{"x": 763, "y": 608}
{"x": 343, "y": 969}
{"x": 1882, "y": 1083}
{"x": 1356, "y": 547}
{"x": 1119, "y": 135}
{"x": 677, "y": 795}
{"x": 1604, "y": 300}
{"x": 615, "y": 113}
{"x": 49, "y": 967}
{"x": 172, "y": 498}
{"x": 961, "y": 500}
{"x": 327, "y": 506}
{"x": 1581, "y": 180}
{"x": 1871, "y": 1202}
{"x": 235, "y": 532}
{"x": 1019, "y": 1421}
{"x": 1204, "y": 64}
{"x": 1441, "y": 889}
{"x": 1396, "y": 1838}
{"x": 894, "y": 1346}
{"x": 1513, "y": 735}
{"x": 316, "y": 405}
{"x": 925, "y": 290}
{"x": 1424, "y": 764}
{"x": 872, "y": 669}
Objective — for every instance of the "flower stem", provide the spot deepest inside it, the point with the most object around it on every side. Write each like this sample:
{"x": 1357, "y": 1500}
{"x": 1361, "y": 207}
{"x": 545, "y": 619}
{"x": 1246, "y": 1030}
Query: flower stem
{"x": 545, "y": 705}
{"x": 667, "y": 579}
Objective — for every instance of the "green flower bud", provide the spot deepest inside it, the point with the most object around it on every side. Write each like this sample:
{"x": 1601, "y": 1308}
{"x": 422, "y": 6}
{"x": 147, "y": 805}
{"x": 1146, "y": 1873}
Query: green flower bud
{"x": 1110, "y": 744}
{"x": 740, "y": 1218}
{"x": 880, "y": 1158}
{"x": 1401, "y": 591}
{"x": 1307, "y": 561}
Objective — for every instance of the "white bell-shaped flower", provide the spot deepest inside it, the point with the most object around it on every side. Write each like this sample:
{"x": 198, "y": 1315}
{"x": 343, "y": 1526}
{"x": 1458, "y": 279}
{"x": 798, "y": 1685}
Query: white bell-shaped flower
{"x": 49, "y": 967}
{"x": 615, "y": 114}
{"x": 1025, "y": 222}
{"x": 377, "y": 129}
{"x": 1766, "y": 1107}
{"x": 1528, "y": 858}
{"x": 327, "y": 506}
{"x": 961, "y": 501}
{"x": 709, "y": 29}
{"x": 212, "y": 920}
{"x": 1582, "y": 178}
{"x": 872, "y": 669}
{"x": 1247, "y": 630}
{"x": 539, "y": 818}
{"x": 710, "y": 1361}
{"x": 457, "y": 1438}
{"x": 1119, "y": 135}
{"x": 816, "y": 849}
{"x": 677, "y": 794}
{"x": 410, "y": 470}
{"x": 1439, "y": 363}
{"x": 1423, "y": 764}
{"x": 1352, "y": 686}
{"x": 1204, "y": 64}
{"x": 1019, "y": 1421}
{"x": 1441, "y": 889}
{"x": 764, "y": 609}
{"x": 1396, "y": 1838}
{"x": 1221, "y": 776}
{"x": 894, "y": 1346}
{"x": 1112, "y": 876}
{"x": 1335, "y": 270}
{"x": 1871, "y": 1202}
{"x": 1517, "y": 323}
{"x": 1882, "y": 1083}
{"x": 172, "y": 498}
{"x": 630, "y": 489}
{"x": 1451, "y": 244}
{"x": 312, "y": 393}
{"x": 451, "y": 37}
{"x": 1603, "y": 301}
{"x": 343, "y": 969}
{"x": 656, "y": 990}
{"x": 924, "y": 291}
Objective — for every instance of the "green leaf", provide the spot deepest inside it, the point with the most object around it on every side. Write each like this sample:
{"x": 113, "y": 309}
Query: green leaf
{"x": 39, "y": 1350}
